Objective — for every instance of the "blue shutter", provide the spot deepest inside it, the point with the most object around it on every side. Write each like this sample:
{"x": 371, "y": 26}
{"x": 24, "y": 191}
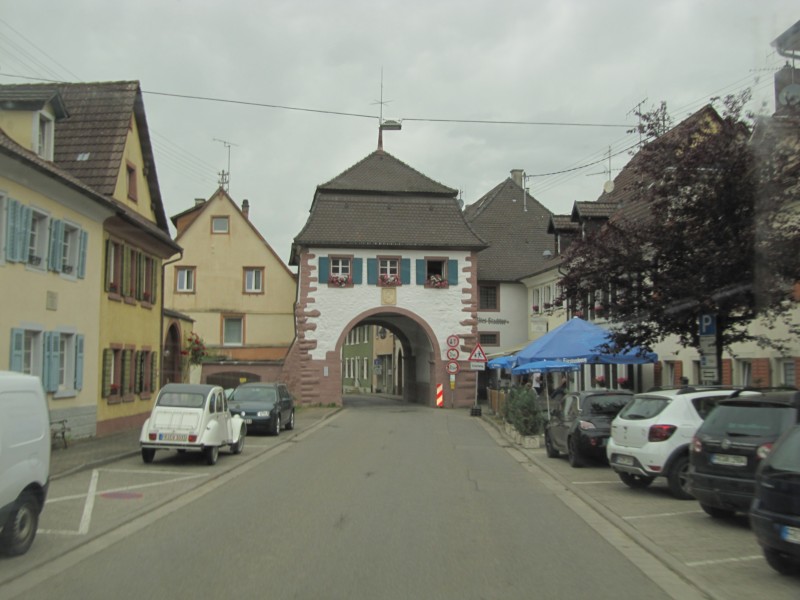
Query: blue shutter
{"x": 51, "y": 356}
{"x": 452, "y": 272}
{"x": 79, "y": 362}
{"x": 420, "y": 271}
{"x": 82, "y": 249}
{"x": 17, "y": 350}
{"x": 23, "y": 237}
{"x": 358, "y": 271}
{"x": 12, "y": 229}
{"x": 372, "y": 271}
{"x": 405, "y": 271}
{"x": 54, "y": 262}
{"x": 324, "y": 269}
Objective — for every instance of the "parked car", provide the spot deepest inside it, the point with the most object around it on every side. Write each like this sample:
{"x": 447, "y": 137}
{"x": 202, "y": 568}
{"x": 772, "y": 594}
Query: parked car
{"x": 192, "y": 417}
{"x": 24, "y": 459}
{"x": 650, "y": 437}
{"x": 264, "y": 406}
{"x": 729, "y": 446}
{"x": 775, "y": 511}
{"x": 580, "y": 424}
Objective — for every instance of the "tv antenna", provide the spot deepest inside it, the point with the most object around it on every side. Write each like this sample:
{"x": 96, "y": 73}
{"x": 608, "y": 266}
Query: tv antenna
{"x": 388, "y": 125}
{"x": 225, "y": 176}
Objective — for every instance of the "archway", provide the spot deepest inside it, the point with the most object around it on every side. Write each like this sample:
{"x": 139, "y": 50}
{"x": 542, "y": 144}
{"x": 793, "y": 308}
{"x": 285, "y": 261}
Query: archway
{"x": 171, "y": 361}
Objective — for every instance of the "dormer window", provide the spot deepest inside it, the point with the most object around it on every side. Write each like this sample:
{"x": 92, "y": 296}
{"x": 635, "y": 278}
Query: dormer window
{"x": 44, "y": 136}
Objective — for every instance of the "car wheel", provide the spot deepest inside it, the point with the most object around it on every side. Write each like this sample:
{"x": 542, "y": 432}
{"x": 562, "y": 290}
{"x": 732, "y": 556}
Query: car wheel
{"x": 20, "y": 526}
{"x": 239, "y": 445}
{"x": 548, "y": 446}
{"x": 717, "y": 513}
{"x": 276, "y": 424}
{"x": 148, "y": 454}
{"x": 634, "y": 481}
{"x": 574, "y": 453}
{"x": 211, "y": 454}
{"x": 290, "y": 424}
{"x": 780, "y": 562}
{"x": 678, "y": 479}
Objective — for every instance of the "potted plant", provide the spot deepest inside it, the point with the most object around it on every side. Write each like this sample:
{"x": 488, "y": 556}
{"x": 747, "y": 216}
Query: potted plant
{"x": 535, "y": 308}
{"x": 388, "y": 280}
{"x": 437, "y": 281}
{"x": 339, "y": 280}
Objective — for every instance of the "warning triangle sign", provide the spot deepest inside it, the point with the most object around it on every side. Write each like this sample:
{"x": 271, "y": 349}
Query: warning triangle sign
{"x": 477, "y": 354}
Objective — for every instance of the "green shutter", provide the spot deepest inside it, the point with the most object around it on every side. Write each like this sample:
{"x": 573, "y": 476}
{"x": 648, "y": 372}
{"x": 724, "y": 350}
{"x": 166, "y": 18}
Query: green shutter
{"x": 358, "y": 271}
{"x": 108, "y": 367}
{"x": 17, "y": 350}
{"x": 24, "y": 224}
{"x": 78, "y": 362}
{"x": 125, "y": 284}
{"x": 109, "y": 263}
{"x": 12, "y": 229}
{"x": 420, "y": 271}
{"x": 324, "y": 269}
{"x": 372, "y": 271}
{"x": 50, "y": 363}
{"x": 452, "y": 272}
{"x": 138, "y": 372}
{"x": 54, "y": 256}
{"x": 126, "y": 386}
{"x": 153, "y": 370}
{"x": 405, "y": 271}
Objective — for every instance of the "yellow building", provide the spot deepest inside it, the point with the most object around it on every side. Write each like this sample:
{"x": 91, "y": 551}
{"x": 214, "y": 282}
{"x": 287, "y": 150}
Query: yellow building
{"x": 84, "y": 239}
{"x": 236, "y": 289}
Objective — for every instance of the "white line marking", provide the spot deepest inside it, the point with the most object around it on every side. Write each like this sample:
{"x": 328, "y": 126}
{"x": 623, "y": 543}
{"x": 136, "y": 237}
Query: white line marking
{"x": 721, "y": 561}
{"x": 88, "y": 506}
{"x": 660, "y": 515}
{"x": 594, "y": 482}
{"x": 125, "y": 489}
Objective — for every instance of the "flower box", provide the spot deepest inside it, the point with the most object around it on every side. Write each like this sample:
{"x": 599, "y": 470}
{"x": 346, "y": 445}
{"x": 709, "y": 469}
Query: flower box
{"x": 340, "y": 280}
{"x": 436, "y": 281}
{"x": 535, "y": 308}
{"x": 389, "y": 280}
{"x": 34, "y": 260}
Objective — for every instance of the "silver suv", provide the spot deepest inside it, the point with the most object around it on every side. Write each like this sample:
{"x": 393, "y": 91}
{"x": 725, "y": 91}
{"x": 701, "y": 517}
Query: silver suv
{"x": 651, "y": 436}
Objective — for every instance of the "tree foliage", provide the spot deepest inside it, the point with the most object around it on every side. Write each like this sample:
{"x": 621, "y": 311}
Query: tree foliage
{"x": 704, "y": 227}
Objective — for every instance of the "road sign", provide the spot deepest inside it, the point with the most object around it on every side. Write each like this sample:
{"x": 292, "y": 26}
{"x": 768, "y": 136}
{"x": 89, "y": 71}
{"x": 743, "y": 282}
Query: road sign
{"x": 708, "y": 361}
{"x": 708, "y": 375}
{"x": 453, "y": 341}
{"x": 708, "y": 324}
{"x": 477, "y": 354}
{"x": 452, "y": 353}
{"x": 452, "y": 367}
{"x": 477, "y": 366}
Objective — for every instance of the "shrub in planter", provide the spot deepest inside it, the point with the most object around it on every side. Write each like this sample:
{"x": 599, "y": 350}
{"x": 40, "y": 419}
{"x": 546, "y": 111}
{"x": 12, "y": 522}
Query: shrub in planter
{"x": 522, "y": 412}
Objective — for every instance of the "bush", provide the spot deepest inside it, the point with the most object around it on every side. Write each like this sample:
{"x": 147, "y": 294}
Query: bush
{"x": 522, "y": 411}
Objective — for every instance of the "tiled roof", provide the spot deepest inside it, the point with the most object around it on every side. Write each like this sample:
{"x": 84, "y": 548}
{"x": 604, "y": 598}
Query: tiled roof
{"x": 91, "y": 141}
{"x": 594, "y": 210}
{"x": 563, "y": 224}
{"x": 515, "y": 225}
{"x": 382, "y": 172}
{"x": 383, "y": 203}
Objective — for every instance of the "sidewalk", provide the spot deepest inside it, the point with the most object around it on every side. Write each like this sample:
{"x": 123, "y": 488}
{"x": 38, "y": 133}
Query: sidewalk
{"x": 87, "y": 453}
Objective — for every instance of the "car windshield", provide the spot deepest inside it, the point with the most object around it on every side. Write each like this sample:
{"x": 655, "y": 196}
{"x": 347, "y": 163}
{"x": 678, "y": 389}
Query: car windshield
{"x": 786, "y": 455}
{"x": 749, "y": 420}
{"x": 605, "y": 404}
{"x": 181, "y": 400}
{"x": 644, "y": 407}
{"x": 250, "y": 396}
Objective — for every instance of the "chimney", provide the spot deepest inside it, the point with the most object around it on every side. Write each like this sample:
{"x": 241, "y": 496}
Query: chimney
{"x": 199, "y": 201}
{"x": 516, "y": 175}
{"x": 246, "y": 208}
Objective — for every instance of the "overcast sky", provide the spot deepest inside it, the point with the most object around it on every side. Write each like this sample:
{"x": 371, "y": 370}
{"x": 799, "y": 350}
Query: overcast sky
{"x": 567, "y": 72}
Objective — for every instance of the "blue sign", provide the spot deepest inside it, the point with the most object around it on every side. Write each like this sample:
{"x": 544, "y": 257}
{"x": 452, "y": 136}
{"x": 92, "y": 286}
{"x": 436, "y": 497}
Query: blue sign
{"x": 708, "y": 324}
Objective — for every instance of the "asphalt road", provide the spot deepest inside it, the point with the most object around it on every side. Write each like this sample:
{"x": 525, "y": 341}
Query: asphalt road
{"x": 383, "y": 500}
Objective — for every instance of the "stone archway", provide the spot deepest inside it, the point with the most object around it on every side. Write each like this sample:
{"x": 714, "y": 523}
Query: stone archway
{"x": 171, "y": 361}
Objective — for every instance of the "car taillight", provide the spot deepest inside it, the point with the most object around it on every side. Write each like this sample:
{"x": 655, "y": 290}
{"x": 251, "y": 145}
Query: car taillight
{"x": 763, "y": 451}
{"x": 151, "y": 436}
{"x": 585, "y": 425}
{"x": 660, "y": 433}
{"x": 192, "y": 437}
{"x": 697, "y": 445}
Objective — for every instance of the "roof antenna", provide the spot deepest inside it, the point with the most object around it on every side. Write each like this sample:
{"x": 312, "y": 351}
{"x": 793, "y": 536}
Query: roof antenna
{"x": 225, "y": 176}
{"x": 388, "y": 125}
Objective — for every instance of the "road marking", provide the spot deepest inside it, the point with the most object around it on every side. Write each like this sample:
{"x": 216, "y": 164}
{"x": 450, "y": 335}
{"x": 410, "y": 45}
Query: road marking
{"x": 594, "y": 482}
{"x": 88, "y": 506}
{"x": 660, "y": 515}
{"x": 722, "y": 561}
{"x": 126, "y": 488}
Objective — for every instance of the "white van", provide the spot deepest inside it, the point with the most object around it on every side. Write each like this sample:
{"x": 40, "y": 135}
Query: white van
{"x": 24, "y": 459}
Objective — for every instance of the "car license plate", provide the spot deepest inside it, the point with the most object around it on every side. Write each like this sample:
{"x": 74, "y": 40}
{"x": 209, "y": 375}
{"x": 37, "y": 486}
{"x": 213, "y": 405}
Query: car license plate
{"x": 730, "y": 460}
{"x": 624, "y": 460}
{"x": 790, "y": 534}
{"x": 173, "y": 437}
{"x": 248, "y": 421}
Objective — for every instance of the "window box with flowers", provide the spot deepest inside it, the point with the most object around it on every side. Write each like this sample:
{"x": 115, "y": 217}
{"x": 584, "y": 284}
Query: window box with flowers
{"x": 385, "y": 280}
{"x": 195, "y": 349}
{"x": 437, "y": 281}
{"x": 547, "y": 306}
{"x": 340, "y": 281}
{"x": 622, "y": 382}
{"x": 599, "y": 308}
{"x": 535, "y": 308}
{"x": 113, "y": 389}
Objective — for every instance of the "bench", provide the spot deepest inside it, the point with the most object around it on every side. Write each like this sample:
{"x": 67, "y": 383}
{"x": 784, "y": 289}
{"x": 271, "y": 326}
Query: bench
{"x": 59, "y": 429}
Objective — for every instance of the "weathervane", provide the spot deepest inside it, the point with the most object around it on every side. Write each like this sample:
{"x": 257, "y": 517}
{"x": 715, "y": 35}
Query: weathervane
{"x": 225, "y": 176}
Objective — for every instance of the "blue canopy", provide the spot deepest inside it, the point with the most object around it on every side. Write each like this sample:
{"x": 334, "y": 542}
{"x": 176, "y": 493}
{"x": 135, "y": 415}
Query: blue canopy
{"x": 501, "y": 362}
{"x": 544, "y": 366}
{"x": 578, "y": 341}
